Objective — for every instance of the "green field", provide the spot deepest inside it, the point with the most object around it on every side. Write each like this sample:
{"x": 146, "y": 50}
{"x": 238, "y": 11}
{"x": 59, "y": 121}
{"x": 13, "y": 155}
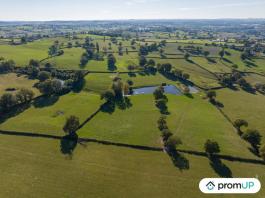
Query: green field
{"x": 218, "y": 66}
{"x": 21, "y": 54}
{"x": 48, "y": 115}
{"x": 253, "y": 79}
{"x": 49, "y": 165}
{"x": 243, "y": 105}
{"x": 195, "y": 120}
{"x": 37, "y": 167}
{"x": 135, "y": 125}
{"x": 69, "y": 60}
{"x": 256, "y": 64}
{"x": 13, "y": 81}
{"x": 197, "y": 74}
{"x": 101, "y": 82}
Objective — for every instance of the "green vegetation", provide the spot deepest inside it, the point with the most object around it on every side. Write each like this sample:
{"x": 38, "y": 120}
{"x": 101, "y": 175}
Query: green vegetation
{"x": 243, "y": 105}
{"x": 163, "y": 144}
{"x": 187, "y": 121}
{"x": 103, "y": 167}
{"x": 48, "y": 115}
{"x": 12, "y": 83}
{"x": 127, "y": 126}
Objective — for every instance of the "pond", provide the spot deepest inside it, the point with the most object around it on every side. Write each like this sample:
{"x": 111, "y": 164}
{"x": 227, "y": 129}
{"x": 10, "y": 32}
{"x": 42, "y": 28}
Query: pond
{"x": 169, "y": 89}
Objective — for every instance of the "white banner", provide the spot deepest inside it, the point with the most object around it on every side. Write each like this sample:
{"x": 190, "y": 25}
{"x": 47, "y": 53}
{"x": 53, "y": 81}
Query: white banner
{"x": 229, "y": 185}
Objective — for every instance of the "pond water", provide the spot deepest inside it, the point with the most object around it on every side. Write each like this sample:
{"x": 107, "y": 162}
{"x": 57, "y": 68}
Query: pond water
{"x": 169, "y": 89}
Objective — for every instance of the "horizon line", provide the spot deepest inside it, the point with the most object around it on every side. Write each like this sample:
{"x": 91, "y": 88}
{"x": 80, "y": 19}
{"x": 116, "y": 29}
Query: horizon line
{"x": 141, "y": 19}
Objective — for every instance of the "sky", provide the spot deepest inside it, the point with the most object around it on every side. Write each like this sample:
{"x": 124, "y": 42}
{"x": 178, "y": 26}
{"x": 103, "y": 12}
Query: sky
{"x": 46, "y": 10}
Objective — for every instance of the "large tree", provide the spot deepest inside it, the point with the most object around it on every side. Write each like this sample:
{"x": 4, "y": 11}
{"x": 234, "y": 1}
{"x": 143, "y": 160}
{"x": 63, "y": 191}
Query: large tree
{"x": 71, "y": 125}
{"x": 239, "y": 123}
{"x": 142, "y": 61}
{"x": 111, "y": 61}
{"x": 159, "y": 93}
{"x": 211, "y": 147}
{"x": 172, "y": 142}
{"x": 108, "y": 96}
{"x": 7, "y": 100}
{"x": 162, "y": 123}
{"x": 50, "y": 87}
{"x": 24, "y": 95}
{"x": 44, "y": 75}
{"x": 253, "y": 137}
{"x": 211, "y": 95}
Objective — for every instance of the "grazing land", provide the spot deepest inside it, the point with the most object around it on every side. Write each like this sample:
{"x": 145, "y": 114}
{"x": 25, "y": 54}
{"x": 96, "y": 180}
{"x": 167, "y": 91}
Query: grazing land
{"x": 13, "y": 82}
{"x": 72, "y": 123}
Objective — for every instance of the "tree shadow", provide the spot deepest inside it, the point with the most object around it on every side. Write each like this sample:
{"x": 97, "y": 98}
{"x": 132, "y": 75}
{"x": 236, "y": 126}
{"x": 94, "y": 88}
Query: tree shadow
{"x": 219, "y": 104}
{"x": 15, "y": 111}
{"x": 112, "y": 67}
{"x": 211, "y": 60}
{"x": 169, "y": 76}
{"x": 220, "y": 168}
{"x": 249, "y": 63}
{"x": 189, "y": 95}
{"x": 68, "y": 144}
{"x": 179, "y": 160}
{"x": 190, "y": 61}
{"x": 232, "y": 87}
{"x": 45, "y": 101}
{"x": 108, "y": 107}
{"x": 131, "y": 74}
{"x": 254, "y": 151}
{"x": 249, "y": 89}
{"x": 79, "y": 86}
{"x": 227, "y": 60}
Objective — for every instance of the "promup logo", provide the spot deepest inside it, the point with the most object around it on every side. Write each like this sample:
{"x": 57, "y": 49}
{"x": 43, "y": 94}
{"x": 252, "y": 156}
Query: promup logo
{"x": 210, "y": 185}
{"x": 230, "y": 185}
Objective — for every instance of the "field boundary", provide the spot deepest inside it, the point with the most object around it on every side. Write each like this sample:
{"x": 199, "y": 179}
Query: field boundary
{"x": 132, "y": 146}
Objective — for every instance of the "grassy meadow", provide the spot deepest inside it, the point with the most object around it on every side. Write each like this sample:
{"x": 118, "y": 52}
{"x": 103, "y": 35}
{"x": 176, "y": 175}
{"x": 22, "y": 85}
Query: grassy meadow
{"x": 195, "y": 120}
{"x": 134, "y": 125}
{"x": 50, "y": 167}
{"x": 14, "y": 81}
{"x": 99, "y": 82}
{"x": 37, "y": 166}
{"x": 53, "y": 111}
{"x": 244, "y": 105}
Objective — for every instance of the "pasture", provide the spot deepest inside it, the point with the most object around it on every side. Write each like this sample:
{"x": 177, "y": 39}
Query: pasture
{"x": 16, "y": 82}
{"x": 52, "y": 166}
{"x": 244, "y": 105}
{"x": 47, "y": 115}
{"x": 38, "y": 166}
